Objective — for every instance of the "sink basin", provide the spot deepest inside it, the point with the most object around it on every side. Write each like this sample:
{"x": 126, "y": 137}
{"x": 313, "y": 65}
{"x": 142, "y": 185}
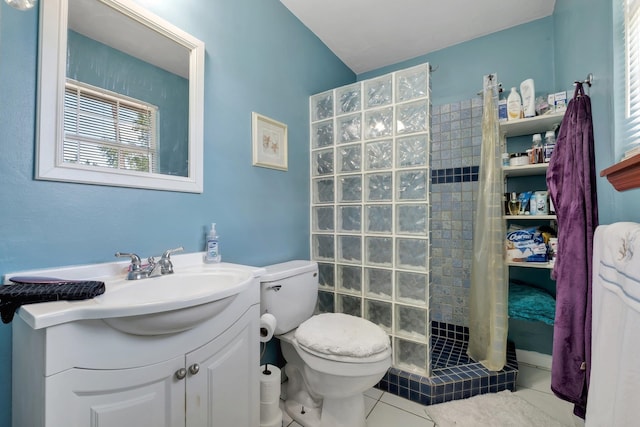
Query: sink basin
{"x": 154, "y": 306}
{"x": 172, "y": 303}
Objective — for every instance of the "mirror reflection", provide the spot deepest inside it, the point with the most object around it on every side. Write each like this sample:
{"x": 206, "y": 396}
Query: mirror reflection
{"x": 130, "y": 109}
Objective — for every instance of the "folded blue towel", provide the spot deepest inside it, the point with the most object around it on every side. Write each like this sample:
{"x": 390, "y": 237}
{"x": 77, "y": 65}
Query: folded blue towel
{"x": 531, "y": 303}
{"x": 12, "y": 296}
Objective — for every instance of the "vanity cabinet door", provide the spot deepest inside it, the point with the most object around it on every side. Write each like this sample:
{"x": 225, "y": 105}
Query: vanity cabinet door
{"x": 145, "y": 396}
{"x": 223, "y": 377}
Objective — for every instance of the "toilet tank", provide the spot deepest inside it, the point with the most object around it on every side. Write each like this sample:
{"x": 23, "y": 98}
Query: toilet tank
{"x": 289, "y": 292}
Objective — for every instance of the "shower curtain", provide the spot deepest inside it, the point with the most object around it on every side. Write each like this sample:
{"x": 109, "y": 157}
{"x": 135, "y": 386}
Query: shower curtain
{"x": 571, "y": 181}
{"x": 488, "y": 309}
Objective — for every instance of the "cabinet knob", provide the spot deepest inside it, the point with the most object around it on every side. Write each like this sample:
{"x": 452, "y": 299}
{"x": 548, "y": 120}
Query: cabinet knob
{"x": 194, "y": 369}
{"x": 181, "y": 373}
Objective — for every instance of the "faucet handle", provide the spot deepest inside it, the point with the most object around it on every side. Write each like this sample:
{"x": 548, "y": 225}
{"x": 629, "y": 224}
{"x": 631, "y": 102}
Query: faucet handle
{"x": 165, "y": 262}
{"x": 167, "y": 254}
{"x": 135, "y": 260}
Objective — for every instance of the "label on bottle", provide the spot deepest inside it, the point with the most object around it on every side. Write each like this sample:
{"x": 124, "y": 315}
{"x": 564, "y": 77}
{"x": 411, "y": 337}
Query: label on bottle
{"x": 213, "y": 252}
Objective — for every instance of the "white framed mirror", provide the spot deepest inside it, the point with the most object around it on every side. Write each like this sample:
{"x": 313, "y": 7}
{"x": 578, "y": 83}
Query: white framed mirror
{"x": 120, "y": 97}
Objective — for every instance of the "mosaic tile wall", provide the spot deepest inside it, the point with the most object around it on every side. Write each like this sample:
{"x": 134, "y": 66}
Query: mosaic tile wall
{"x": 455, "y": 155}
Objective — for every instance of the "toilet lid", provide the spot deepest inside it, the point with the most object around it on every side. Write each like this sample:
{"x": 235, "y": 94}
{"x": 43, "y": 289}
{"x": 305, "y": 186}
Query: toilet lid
{"x": 342, "y": 335}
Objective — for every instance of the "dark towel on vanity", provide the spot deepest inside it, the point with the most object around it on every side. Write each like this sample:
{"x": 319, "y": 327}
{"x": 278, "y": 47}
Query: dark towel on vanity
{"x": 12, "y": 296}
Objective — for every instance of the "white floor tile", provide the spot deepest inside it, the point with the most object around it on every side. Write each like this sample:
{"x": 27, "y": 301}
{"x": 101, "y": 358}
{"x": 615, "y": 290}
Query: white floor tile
{"x": 535, "y": 378}
{"x": 384, "y": 415}
{"x": 373, "y": 393}
{"x": 404, "y": 404}
{"x": 549, "y": 403}
{"x": 369, "y": 403}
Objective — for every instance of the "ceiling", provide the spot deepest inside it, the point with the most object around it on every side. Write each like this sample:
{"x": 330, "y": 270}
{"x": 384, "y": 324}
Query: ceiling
{"x": 370, "y": 34}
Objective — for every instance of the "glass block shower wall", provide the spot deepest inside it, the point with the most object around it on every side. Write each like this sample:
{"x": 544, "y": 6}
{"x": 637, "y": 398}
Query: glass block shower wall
{"x": 370, "y": 182}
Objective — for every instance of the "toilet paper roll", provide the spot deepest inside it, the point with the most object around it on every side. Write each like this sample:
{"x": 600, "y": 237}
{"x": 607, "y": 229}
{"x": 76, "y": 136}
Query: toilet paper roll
{"x": 269, "y": 412}
{"x": 267, "y": 327}
{"x": 277, "y": 422}
{"x": 269, "y": 384}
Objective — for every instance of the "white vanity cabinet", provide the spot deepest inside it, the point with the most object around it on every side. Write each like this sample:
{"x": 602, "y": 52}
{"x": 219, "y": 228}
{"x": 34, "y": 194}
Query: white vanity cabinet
{"x": 87, "y": 373}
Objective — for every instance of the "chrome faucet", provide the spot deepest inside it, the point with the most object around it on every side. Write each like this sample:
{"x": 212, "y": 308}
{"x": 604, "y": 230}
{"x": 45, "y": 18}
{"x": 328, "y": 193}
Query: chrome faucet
{"x": 152, "y": 269}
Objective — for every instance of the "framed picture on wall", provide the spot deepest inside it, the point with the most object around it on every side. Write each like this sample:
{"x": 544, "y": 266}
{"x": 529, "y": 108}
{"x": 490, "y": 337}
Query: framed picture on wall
{"x": 269, "y": 142}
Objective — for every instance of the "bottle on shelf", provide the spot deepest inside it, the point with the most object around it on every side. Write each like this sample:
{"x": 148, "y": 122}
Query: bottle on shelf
{"x": 549, "y": 145}
{"x": 514, "y": 204}
{"x": 537, "y": 149}
{"x": 514, "y": 105}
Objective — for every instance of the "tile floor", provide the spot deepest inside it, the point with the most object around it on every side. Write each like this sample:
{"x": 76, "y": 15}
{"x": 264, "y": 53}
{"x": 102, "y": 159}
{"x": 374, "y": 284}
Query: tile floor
{"x": 385, "y": 409}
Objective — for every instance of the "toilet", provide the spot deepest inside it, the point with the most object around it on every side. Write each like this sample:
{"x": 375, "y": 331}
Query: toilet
{"x": 331, "y": 358}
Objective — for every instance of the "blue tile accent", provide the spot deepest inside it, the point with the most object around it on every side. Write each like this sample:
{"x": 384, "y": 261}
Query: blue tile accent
{"x": 454, "y": 374}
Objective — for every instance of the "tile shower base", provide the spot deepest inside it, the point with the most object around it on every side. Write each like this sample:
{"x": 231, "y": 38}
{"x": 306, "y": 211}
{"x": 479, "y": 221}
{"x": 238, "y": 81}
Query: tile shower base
{"x": 454, "y": 375}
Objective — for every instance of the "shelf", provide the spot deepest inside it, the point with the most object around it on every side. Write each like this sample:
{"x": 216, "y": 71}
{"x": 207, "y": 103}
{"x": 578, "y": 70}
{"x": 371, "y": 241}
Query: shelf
{"x": 542, "y": 265}
{"x": 624, "y": 175}
{"x": 530, "y": 217}
{"x": 532, "y": 125}
{"x": 526, "y": 170}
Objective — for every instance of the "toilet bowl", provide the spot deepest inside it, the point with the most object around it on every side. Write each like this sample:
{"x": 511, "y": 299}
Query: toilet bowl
{"x": 331, "y": 358}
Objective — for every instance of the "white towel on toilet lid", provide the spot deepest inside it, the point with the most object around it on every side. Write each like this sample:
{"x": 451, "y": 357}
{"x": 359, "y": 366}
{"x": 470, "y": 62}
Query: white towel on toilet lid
{"x": 342, "y": 335}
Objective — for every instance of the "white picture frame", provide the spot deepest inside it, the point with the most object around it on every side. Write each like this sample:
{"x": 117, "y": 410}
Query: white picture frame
{"x": 269, "y": 142}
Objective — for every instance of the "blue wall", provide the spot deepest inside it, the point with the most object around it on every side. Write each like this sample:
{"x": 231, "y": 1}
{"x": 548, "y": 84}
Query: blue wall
{"x": 259, "y": 58}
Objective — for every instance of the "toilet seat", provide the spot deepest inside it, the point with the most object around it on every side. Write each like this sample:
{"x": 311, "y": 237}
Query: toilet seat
{"x": 343, "y": 338}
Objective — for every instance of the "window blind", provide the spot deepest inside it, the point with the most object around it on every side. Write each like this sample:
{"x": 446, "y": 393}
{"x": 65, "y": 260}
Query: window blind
{"x": 106, "y": 129}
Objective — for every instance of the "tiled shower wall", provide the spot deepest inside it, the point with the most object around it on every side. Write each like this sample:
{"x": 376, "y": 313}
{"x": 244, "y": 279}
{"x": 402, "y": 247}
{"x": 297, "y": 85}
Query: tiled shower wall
{"x": 370, "y": 206}
{"x": 456, "y": 136}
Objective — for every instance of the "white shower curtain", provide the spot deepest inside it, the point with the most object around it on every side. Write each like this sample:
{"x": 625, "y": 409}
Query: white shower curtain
{"x": 488, "y": 308}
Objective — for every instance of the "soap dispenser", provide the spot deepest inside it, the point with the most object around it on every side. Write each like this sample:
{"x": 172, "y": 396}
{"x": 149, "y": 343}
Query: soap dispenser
{"x": 213, "y": 249}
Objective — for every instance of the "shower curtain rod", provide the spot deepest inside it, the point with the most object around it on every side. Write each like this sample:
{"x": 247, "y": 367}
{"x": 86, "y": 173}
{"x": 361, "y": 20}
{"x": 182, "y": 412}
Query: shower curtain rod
{"x": 588, "y": 81}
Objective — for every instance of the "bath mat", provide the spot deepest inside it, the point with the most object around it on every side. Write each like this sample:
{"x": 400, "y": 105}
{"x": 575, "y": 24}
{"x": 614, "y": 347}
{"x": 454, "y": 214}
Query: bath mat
{"x": 503, "y": 409}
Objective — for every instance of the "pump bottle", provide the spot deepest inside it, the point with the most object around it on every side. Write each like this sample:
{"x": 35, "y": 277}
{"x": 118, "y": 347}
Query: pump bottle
{"x": 213, "y": 249}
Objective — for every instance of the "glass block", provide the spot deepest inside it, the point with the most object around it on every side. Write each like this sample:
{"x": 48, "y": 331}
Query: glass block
{"x": 349, "y": 128}
{"x": 411, "y": 356}
{"x": 378, "y": 92}
{"x": 379, "y": 187}
{"x": 380, "y": 313}
{"x": 379, "y": 251}
{"x": 412, "y": 151}
{"x": 349, "y": 249}
{"x": 411, "y": 322}
{"x": 350, "y": 279}
{"x": 323, "y": 190}
{"x": 322, "y": 106}
{"x": 348, "y": 304}
{"x": 322, "y": 134}
{"x": 412, "y": 254}
{"x": 379, "y": 154}
{"x": 378, "y": 283}
{"x": 412, "y": 118}
{"x": 349, "y": 98}
{"x": 412, "y": 219}
{"x": 412, "y": 185}
{"x": 323, "y": 162}
{"x": 326, "y": 276}
{"x": 412, "y": 83}
{"x": 323, "y": 218}
{"x": 350, "y": 218}
{"x": 379, "y": 218}
{"x": 323, "y": 247}
{"x": 325, "y": 302}
{"x": 412, "y": 288}
{"x": 350, "y": 188}
{"x": 378, "y": 123}
{"x": 350, "y": 158}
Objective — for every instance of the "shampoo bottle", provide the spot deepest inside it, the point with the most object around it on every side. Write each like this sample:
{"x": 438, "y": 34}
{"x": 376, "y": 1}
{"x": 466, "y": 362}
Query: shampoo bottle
{"x": 514, "y": 105}
{"x": 527, "y": 89}
{"x": 213, "y": 249}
